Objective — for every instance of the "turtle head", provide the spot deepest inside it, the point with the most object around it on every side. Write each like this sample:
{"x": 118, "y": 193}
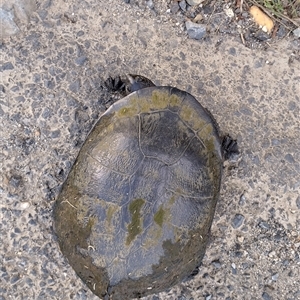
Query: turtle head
{"x": 137, "y": 82}
{"x": 127, "y": 84}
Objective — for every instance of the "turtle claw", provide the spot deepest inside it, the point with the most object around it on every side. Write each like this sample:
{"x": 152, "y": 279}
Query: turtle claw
{"x": 229, "y": 147}
{"x": 115, "y": 84}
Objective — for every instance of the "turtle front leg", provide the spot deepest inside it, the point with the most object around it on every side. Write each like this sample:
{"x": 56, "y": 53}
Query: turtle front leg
{"x": 229, "y": 147}
{"x": 115, "y": 84}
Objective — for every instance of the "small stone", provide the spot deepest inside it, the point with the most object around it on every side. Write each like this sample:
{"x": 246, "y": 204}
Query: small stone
{"x": 194, "y": 2}
{"x": 232, "y": 51}
{"x": 264, "y": 225}
{"x": 233, "y": 269}
{"x": 81, "y": 60}
{"x": 174, "y": 8}
{"x": 20, "y": 99}
{"x": 282, "y": 31}
{"x": 272, "y": 254}
{"x": 261, "y": 35}
{"x": 150, "y": 4}
{"x": 289, "y": 157}
{"x": 195, "y": 31}
{"x": 216, "y": 264}
{"x": 75, "y": 86}
{"x": 15, "y": 181}
{"x": 266, "y": 296}
{"x": 296, "y": 32}
{"x": 237, "y": 221}
{"x": 229, "y": 12}
{"x": 298, "y": 202}
{"x": 7, "y": 66}
{"x": 275, "y": 277}
{"x": 240, "y": 239}
{"x": 80, "y": 33}
{"x": 286, "y": 262}
{"x": 242, "y": 200}
{"x": 23, "y": 205}
{"x": 182, "y": 5}
{"x": 198, "y": 18}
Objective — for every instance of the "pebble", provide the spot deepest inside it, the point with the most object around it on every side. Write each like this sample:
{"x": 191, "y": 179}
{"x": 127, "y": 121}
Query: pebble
{"x": 229, "y": 12}
{"x": 242, "y": 200}
{"x": 216, "y": 264}
{"x": 174, "y": 8}
{"x": 150, "y": 4}
{"x": 194, "y": 2}
{"x": 289, "y": 157}
{"x": 262, "y": 36}
{"x": 237, "y": 221}
{"x": 296, "y": 32}
{"x": 275, "y": 277}
{"x": 195, "y": 31}
{"x": 81, "y": 60}
{"x": 23, "y": 205}
{"x": 198, "y": 18}
{"x": 15, "y": 181}
{"x": 264, "y": 225}
{"x": 6, "y": 66}
{"x": 182, "y": 5}
{"x": 298, "y": 202}
{"x": 266, "y": 296}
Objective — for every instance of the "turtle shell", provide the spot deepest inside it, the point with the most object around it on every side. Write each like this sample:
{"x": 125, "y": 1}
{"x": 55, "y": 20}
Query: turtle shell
{"x": 134, "y": 215}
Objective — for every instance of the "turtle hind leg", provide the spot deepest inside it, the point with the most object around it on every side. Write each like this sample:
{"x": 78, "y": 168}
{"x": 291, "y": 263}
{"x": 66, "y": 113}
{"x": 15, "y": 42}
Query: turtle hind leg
{"x": 229, "y": 147}
{"x": 191, "y": 275}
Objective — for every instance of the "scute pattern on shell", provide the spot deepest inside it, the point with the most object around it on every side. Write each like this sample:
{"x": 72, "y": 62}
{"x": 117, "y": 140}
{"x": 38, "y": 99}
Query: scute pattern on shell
{"x": 134, "y": 215}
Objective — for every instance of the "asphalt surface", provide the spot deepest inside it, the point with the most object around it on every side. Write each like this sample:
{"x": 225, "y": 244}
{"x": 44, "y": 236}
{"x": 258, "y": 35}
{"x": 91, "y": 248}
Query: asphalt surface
{"x": 52, "y": 93}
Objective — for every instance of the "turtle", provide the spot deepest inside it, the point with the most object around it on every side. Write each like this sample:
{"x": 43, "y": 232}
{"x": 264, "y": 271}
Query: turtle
{"x": 134, "y": 215}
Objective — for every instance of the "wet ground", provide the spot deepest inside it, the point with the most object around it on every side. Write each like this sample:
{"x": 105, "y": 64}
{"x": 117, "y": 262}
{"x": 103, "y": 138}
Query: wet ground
{"x": 52, "y": 93}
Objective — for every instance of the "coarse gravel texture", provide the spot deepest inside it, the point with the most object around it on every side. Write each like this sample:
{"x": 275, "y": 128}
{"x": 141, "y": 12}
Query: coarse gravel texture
{"x": 51, "y": 94}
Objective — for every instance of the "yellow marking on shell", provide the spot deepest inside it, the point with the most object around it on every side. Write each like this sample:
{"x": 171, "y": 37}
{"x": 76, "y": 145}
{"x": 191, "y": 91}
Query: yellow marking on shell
{"x": 185, "y": 113}
{"x": 159, "y": 216}
{"x": 135, "y": 227}
{"x": 145, "y": 104}
{"x": 191, "y": 117}
{"x": 110, "y": 212}
{"x": 175, "y": 101}
{"x": 205, "y": 134}
{"x": 172, "y": 199}
{"x": 128, "y": 111}
{"x": 160, "y": 100}
{"x": 157, "y": 101}
{"x": 109, "y": 128}
{"x": 153, "y": 237}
